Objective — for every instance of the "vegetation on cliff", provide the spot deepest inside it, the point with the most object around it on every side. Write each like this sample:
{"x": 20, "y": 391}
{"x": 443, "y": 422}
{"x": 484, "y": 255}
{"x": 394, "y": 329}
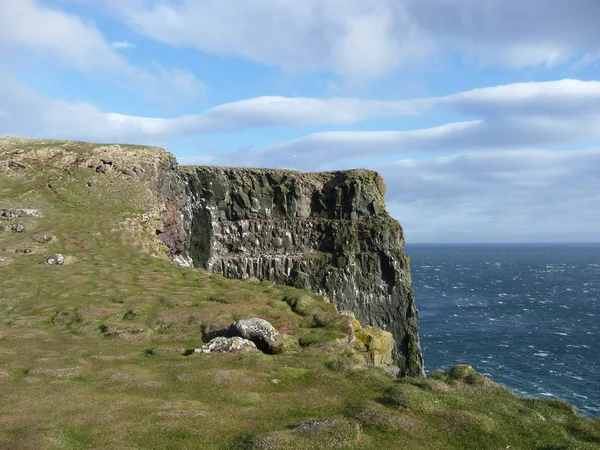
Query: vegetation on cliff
{"x": 97, "y": 352}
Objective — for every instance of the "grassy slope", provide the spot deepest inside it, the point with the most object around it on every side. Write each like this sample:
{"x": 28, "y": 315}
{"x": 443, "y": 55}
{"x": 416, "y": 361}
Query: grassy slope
{"x": 67, "y": 382}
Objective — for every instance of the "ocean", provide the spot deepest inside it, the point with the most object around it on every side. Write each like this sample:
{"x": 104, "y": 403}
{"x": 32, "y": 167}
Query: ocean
{"x": 526, "y": 315}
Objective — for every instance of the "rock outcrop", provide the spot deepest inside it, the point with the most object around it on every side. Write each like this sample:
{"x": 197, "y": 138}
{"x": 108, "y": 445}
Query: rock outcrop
{"x": 222, "y": 344}
{"x": 259, "y": 331}
{"x": 328, "y": 232}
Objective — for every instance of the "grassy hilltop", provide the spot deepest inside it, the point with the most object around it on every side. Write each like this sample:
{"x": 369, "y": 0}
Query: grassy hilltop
{"x": 96, "y": 353}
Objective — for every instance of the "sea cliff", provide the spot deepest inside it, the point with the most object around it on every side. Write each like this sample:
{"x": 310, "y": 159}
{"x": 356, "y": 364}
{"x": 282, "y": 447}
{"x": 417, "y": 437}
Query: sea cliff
{"x": 328, "y": 232}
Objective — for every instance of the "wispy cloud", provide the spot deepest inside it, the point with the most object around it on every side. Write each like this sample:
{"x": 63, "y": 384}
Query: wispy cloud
{"x": 527, "y": 194}
{"x": 57, "y": 37}
{"x": 369, "y": 39}
{"x": 510, "y": 116}
{"x": 122, "y": 45}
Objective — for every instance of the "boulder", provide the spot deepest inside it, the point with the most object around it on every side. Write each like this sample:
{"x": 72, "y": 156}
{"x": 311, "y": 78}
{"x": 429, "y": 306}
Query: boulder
{"x": 45, "y": 238}
{"x": 223, "y": 344}
{"x": 353, "y": 321}
{"x": 13, "y": 165}
{"x": 19, "y": 228}
{"x": 55, "y": 260}
{"x": 375, "y": 345}
{"x": 103, "y": 168}
{"x": 259, "y": 331}
{"x": 21, "y": 213}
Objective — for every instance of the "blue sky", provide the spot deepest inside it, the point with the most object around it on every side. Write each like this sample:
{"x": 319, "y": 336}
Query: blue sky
{"x": 482, "y": 116}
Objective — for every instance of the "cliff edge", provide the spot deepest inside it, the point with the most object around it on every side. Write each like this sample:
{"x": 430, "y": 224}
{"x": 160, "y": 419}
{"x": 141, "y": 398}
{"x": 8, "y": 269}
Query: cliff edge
{"x": 328, "y": 232}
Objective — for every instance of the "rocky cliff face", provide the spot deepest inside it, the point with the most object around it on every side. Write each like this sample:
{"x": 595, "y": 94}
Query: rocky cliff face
{"x": 328, "y": 232}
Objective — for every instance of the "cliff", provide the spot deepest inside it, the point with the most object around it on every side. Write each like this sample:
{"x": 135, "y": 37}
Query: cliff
{"x": 327, "y": 232}
{"x": 99, "y": 330}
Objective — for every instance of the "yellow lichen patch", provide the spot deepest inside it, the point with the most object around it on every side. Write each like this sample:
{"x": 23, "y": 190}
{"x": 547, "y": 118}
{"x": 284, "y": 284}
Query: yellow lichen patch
{"x": 377, "y": 346}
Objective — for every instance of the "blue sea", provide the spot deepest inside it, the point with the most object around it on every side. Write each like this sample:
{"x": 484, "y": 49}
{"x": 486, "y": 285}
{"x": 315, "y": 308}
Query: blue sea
{"x": 526, "y": 315}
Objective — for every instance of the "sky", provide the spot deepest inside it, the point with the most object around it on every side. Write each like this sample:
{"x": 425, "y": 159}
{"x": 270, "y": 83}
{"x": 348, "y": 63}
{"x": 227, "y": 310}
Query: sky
{"x": 483, "y": 116}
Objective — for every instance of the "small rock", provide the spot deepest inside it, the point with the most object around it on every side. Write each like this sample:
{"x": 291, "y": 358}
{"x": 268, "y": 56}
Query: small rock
{"x": 2, "y": 260}
{"x": 228, "y": 345}
{"x": 19, "y": 228}
{"x": 21, "y": 213}
{"x": 128, "y": 172}
{"x": 354, "y": 323}
{"x": 55, "y": 260}
{"x": 104, "y": 168}
{"x": 13, "y": 165}
{"x": 45, "y": 238}
{"x": 392, "y": 370}
{"x": 91, "y": 183}
{"x": 259, "y": 331}
{"x": 107, "y": 162}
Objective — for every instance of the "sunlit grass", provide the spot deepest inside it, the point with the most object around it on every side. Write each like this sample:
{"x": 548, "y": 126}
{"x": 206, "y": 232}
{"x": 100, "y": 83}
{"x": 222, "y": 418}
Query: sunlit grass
{"x": 92, "y": 354}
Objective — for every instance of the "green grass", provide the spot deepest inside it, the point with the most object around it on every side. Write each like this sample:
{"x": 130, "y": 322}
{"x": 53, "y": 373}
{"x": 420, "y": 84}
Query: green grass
{"x": 92, "y": 354}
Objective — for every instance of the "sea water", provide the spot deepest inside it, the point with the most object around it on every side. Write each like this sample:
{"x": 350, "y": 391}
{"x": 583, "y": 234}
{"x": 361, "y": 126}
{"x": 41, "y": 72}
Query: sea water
{"x": 526, "y": 315}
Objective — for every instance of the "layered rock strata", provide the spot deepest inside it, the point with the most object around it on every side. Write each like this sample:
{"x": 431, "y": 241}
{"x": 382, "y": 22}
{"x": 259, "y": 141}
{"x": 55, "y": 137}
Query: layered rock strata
{"x": 328, "y": 232}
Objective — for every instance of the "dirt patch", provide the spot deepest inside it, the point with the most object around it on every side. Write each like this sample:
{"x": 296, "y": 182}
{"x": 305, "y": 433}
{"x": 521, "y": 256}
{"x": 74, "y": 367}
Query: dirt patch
{"x": 56, "y": 372}
{"x": 84, "y": 244}
{"x": 132, "y": 379}
{"x": 180, "y": 413}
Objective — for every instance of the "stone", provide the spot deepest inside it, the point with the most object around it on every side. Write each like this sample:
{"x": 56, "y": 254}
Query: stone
{"x": 55, "y": 260}
{"x": 354, "y": 323}
{"x": 2, "y": 260}
{"x": 223, "y": 344}
{"x": 21, "y": 213}
{"x": 45, "y": 238}
{"x": 259, "y": 331}
{"x": 103, "y": 168}
{"x": 19, "y": 228}
{"x": 375, "y": 345}
{"x": 13, "y": 165}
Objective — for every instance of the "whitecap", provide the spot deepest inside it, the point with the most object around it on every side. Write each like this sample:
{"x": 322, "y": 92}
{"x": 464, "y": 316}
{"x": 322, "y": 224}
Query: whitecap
{"x": 541, "y": 354}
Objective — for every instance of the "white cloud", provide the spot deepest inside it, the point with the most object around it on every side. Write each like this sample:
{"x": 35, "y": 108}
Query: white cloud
{"x": 524, "y": 114}
{"x": 518, "y": 115}
{"x": 372, "y": 38}
{"x": 122, "y": 45}
{"x": 51, "y": 35}
{"x": 28, "y": 25}
{"x": 513, "y": 33}
{"x": 523, "y": 195}
{"x": 358, "y": 38}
